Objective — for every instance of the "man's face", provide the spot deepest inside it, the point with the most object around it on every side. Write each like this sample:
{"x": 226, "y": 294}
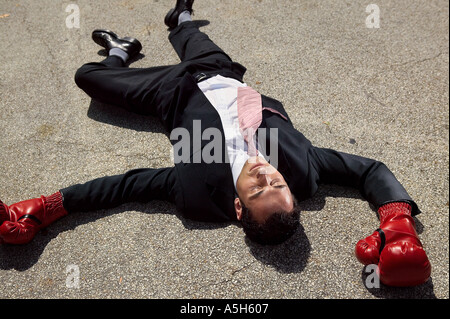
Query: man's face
{"x": 262, "y": 189}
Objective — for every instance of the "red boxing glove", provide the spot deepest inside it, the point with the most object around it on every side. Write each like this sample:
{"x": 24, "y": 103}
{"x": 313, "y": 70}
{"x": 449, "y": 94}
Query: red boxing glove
{"x": 20, "y": 222}
{"x": 396, "y": 248}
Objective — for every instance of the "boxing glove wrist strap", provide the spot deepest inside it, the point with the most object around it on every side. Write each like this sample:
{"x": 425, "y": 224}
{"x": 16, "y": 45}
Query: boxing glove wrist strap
{"x": 391, "y": 208}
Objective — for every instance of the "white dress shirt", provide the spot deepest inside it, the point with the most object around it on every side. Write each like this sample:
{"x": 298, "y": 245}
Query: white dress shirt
{"x": 222, "y": 94}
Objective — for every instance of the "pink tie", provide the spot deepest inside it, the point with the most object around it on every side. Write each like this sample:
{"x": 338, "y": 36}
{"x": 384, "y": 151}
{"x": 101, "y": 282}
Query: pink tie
{"x": 249, "y": 107}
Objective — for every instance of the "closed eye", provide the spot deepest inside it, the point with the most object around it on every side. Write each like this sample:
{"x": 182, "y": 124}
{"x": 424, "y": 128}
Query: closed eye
{"x": 254, "y": 196}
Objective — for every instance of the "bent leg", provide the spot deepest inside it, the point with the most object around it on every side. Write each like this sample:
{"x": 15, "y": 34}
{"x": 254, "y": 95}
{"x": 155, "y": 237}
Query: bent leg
{"x": 192, "y": 44}
{"x": 130, "y": 88}
{"x": 200, "y": 56}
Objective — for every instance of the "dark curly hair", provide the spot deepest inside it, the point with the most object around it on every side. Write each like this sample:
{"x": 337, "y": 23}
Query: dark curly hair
{"x": 279, "y": 227}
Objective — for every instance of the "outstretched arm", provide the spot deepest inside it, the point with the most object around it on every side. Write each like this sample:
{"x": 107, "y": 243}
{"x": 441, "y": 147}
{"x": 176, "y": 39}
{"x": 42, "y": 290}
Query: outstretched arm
{"x": 140, "y": 185}
{"x": 20, "y": 222}
{"x": 395, "y": 245}
{"x": 374, "y": 180}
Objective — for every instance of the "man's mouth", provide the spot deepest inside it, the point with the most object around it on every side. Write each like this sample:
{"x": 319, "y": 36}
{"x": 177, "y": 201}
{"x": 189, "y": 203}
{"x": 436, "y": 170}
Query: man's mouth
{"x": 255, "y": 166}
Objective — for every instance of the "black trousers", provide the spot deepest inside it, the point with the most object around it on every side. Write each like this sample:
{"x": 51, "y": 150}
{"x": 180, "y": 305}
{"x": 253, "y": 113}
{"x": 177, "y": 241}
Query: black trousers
{"x": 140, "y": 90}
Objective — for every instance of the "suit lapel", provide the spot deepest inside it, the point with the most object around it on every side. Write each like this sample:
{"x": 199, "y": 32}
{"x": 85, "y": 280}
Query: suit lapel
{"x": 274, "y": 104}
{"x": 270, "y": 121}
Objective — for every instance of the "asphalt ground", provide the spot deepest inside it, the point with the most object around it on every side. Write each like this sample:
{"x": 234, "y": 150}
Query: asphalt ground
{"x": 376, "y": 92}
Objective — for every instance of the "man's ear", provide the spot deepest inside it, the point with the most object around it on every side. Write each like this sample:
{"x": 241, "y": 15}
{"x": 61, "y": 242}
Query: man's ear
{"x": 238, "y": 208}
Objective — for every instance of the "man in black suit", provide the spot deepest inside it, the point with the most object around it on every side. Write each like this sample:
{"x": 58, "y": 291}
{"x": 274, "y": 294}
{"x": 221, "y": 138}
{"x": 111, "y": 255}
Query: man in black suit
{"x": 215, "y": 179}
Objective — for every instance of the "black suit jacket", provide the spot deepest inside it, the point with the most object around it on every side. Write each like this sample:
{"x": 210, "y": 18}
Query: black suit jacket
{"x": 205, "y": 191}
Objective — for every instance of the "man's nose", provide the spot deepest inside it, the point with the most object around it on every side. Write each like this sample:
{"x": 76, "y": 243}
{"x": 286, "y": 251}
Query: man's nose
{"x": 265, "y": 178}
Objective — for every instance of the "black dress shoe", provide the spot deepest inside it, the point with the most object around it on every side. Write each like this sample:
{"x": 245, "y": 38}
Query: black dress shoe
{"x": 171, "y": 19}
{"x": 110, "y": 40}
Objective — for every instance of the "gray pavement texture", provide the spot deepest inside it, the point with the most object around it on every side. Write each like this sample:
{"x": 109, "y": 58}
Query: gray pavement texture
{"x": 377, "y": 92}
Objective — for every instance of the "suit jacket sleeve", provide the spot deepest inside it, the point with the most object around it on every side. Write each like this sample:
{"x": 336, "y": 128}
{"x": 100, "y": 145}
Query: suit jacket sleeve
{"x": 373, "y": 178}
{"x": 140, "y": 185}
